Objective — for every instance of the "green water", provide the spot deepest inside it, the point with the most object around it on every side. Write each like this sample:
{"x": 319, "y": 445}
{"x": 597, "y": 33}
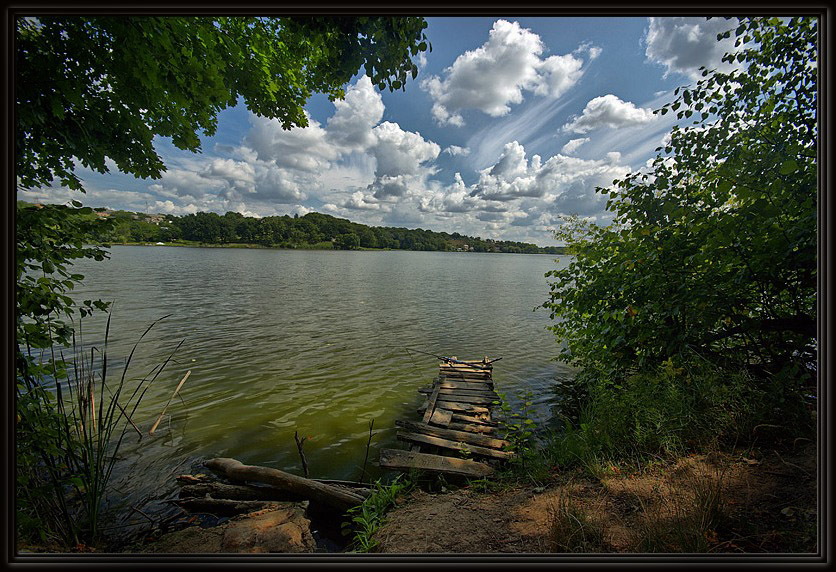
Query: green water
{"x": 283, "y": 340}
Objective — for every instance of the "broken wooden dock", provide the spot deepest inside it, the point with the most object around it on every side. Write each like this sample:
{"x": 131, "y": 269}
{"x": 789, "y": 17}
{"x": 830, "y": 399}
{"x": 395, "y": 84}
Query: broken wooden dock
{"x": 457, "y": 426}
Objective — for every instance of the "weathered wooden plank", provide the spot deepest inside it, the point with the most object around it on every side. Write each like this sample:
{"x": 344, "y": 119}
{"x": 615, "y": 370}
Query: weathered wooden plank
{"x": 473, "y": 392}
{"x": 487, "y": 386}
{"x": 431, "y": 403}
{"x": 471, "y": 428}
{"x": 456, "y": 406}
{"x": 465, "y": 363}
{"x": 473, "y": 377}
{"x": 428, "y": 412}
{"x": 404, "y": 460}
{"x": 453, "y": 435}
{"x": 469, "y": 398}
{"x": 480, "y": 419}
{"x": 441, "y": 417}
{"x": 454, "y": 445}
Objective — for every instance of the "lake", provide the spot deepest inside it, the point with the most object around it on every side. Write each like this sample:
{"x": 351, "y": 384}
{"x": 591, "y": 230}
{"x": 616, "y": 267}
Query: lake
{"x": 315, "y": 341}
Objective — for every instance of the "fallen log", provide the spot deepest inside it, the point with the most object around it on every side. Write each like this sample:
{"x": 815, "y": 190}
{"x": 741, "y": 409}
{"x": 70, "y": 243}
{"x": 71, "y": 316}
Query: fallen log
{"x": 336, "y": 497}
{"x": 201, "y": 486}
{"x": 223, "y": 507}
{"x": 218, "y": 490}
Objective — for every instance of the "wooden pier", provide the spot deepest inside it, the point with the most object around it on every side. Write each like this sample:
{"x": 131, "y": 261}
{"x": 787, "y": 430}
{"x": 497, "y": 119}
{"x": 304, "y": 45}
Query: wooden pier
{"x": 457, "y": 432}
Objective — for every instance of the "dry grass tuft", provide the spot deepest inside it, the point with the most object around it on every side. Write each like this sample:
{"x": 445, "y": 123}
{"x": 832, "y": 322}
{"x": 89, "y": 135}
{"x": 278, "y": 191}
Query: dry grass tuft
{"x": 572, "y": 529}
{"x": 685, "y": 514}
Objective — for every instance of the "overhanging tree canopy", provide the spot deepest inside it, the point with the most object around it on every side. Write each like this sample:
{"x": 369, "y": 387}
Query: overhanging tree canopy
{"x": 713, "y": 248}
{"x": 91, "y": 88}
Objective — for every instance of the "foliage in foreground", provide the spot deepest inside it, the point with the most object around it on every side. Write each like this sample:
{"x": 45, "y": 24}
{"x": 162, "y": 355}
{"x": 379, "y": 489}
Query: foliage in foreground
{"x": 571, "y": 529}
{"x": 713, "y": 249}
{"x": 367, "y": 518}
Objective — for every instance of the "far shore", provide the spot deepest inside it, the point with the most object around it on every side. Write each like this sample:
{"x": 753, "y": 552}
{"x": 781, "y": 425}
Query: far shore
{"x": 319, "y": 246}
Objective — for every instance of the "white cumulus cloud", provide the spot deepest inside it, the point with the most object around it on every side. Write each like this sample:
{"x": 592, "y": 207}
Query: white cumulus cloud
{"x": 457, "y": 151}
{"x": 493, "y": 76}
{"x": 356, "y": 115}
{"x": 609, "y": 111}
{"x": 683, "y": 44}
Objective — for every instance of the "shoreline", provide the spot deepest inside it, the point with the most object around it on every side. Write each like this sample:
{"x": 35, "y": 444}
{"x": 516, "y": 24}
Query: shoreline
{"x": 246, "y": 246}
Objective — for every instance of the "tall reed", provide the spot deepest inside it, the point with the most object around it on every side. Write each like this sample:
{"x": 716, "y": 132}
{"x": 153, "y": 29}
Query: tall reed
{"x": 68, "y": 440}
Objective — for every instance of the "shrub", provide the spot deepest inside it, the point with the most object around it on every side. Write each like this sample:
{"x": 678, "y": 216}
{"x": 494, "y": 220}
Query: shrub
{"x": 673, "y": 409}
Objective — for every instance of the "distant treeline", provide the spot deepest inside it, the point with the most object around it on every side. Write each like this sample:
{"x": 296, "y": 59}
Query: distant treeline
{"x": 313, "y": 230}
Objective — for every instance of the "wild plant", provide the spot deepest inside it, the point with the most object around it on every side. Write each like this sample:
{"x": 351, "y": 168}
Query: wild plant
{"x": 367, "y": 518}
{"x": 70, "y": 426}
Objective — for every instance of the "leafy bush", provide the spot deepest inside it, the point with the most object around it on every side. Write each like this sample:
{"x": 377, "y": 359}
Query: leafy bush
{"x": 713, "y": 247}
{"x": 695, "y": 406}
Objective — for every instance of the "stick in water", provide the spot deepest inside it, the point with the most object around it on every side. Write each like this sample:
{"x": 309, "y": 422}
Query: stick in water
{"x": 179, "y": 385}
{"x": 299, "y": 444}
{"x": 363, "y": 474}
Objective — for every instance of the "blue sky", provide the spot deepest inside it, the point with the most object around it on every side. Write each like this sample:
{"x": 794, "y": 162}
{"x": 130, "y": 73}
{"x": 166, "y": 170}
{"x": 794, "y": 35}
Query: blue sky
{"x": 510, "y": 124}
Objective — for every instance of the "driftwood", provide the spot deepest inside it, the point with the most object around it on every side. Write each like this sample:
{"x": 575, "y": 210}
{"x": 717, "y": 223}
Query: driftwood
{"x": 218, "y": 490}
{"x": 202, "y": 485}
{"x": 223, "y": 507}
{"x": 336, "y": 497}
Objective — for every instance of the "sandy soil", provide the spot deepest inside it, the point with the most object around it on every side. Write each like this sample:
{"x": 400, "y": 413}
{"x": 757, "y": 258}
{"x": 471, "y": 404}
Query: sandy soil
{"x": 767, "y": 500}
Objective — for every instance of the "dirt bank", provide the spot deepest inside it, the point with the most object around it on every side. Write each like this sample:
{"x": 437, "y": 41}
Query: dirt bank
{"x": 746, "y": 501}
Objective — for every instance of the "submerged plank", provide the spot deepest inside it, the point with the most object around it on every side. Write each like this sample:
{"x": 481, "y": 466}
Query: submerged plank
{"x": 465, "y": 369}
{"x": 429, "y": 411}
{"x": 453, "y": 435}
{"x": 398, "y": 459}
{"x": 454, "y": 445}
{"x": 448, "y": 377}
{"x": 470, "y": 398}
{"x": 465, "y": 373}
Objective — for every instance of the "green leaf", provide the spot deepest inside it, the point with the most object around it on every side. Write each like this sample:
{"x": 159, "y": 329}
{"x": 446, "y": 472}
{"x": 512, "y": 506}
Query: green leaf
{"x": 788, "y": 167}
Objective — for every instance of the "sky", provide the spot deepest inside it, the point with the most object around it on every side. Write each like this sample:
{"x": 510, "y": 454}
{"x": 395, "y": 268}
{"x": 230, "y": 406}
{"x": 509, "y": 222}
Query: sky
{"x": 510, "y": 124}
